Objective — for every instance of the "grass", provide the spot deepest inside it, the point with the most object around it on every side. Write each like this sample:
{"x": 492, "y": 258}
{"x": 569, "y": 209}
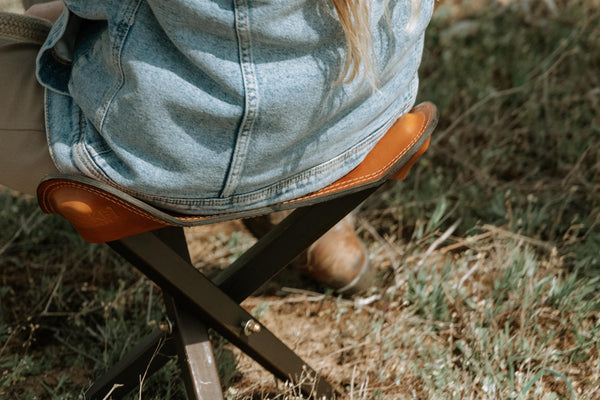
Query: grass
{"x": 488, "y": 254}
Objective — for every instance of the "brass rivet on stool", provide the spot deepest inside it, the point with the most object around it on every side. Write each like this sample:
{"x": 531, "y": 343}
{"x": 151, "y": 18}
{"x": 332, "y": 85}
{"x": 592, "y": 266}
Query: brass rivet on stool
{"x": 250, "y": 327}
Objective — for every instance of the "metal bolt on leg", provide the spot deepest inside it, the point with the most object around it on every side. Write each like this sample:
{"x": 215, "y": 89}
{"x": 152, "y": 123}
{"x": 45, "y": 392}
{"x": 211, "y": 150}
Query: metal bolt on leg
{"x": 250, "y": 327}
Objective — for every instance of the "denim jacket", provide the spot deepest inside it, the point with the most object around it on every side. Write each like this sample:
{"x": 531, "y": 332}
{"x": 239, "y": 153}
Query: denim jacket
{"x": 210, "y": 106}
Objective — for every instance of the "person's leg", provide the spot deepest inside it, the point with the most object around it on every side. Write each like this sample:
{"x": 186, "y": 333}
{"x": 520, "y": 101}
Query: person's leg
{"x": 24, "y": 154}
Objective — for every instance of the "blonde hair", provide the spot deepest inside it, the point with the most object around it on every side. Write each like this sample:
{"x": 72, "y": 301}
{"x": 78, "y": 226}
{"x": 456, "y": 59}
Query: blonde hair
{"x": 355, "y": 18}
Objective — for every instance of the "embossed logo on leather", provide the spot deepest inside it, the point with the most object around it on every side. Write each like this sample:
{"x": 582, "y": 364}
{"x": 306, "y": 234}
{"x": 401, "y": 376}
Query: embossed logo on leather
{"x": 105, "y": 216}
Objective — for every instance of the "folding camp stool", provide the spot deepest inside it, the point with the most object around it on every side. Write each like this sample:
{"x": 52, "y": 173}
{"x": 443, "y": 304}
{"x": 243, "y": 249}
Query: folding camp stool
{"x": 153, "y": 241}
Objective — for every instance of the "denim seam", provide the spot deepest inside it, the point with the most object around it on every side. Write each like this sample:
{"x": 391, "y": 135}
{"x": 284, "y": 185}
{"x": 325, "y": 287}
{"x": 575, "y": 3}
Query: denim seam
{"x": 83, "y": 155}
{"x": 250, "y": 98}
{"x": 244, "y": 198}
{"x": 123, "y": 31}
{"x": 241, "y": 199}
{"x": 47, "y": 122}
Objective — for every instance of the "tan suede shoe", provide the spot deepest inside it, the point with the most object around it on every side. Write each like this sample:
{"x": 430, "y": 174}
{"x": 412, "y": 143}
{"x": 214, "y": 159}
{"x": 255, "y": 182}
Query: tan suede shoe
{"x": 337, "y": 260}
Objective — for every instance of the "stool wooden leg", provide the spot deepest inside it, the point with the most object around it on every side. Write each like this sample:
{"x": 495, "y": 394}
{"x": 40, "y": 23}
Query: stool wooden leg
{"x": 196, "y": 357}
{"x": 189, "y": 341}
{"x": 173, "y": 272}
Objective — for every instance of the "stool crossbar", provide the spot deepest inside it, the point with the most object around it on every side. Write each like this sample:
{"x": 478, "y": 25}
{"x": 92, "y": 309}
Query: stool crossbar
{"x": 153, "y": 241}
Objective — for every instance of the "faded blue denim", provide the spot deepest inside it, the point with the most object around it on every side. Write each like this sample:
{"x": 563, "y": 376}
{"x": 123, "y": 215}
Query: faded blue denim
{"x": 209, "y": 106}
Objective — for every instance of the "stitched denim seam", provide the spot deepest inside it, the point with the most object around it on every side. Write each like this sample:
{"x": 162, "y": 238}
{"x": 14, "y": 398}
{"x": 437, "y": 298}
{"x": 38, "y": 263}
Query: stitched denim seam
{"x": 47, "y": 124}
{"x": 250, "y": 97}
{"x": 123, "y": 30}
{"x": 82, "y": 154}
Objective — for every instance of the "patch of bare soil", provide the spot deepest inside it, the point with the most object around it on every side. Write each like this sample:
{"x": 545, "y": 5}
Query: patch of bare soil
{"x": 336, "y": 337}
{"x": 212, "y": 246}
